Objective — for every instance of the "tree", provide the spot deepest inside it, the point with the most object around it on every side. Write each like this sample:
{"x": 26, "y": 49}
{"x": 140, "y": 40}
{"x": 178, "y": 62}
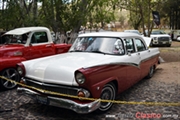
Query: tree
{"x": 18, "y": 13}
{"x": 141, "y": 12}
{"x": 171, "y": 13}
{"x": 103, "y": 12}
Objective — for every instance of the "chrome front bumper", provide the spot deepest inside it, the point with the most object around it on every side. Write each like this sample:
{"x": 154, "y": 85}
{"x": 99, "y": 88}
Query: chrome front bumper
{"x": 62, "y": 102}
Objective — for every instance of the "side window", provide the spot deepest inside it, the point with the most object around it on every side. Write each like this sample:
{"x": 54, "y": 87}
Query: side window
{"x": 140, "y": 45}
{"x": 39, "y": 37}
{"x": 129, "y": 45}
{"x": 118, "y": 47}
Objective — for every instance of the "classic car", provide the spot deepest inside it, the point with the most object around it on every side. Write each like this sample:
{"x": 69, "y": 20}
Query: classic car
{"x": 99, "y": 65}
{"x": 2, "y": 40}
{"x": 22, "y": 44}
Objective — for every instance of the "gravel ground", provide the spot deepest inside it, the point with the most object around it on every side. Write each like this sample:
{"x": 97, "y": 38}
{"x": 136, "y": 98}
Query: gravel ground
{"x": 22, "y": 108}
{"x": 164, "y": 86}
{"x": 148, "y": 90}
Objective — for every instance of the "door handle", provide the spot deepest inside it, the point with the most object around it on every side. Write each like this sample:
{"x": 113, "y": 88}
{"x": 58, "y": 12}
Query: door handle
{"x": 48, "y": 45}
{"x": 138, "y": 53}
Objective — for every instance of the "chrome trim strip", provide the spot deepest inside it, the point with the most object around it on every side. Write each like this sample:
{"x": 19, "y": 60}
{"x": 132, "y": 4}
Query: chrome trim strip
{"x": 52, "y": 85}
{"x": 126, "y": 63}
{"x": 149, "y": 58}
{"x": 62, "y": 102}
{"x": 56, "y": 88}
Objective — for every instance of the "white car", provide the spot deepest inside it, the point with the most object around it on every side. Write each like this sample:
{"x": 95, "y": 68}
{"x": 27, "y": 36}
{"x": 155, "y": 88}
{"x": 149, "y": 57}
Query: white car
{"x": 133, "y": 31}
{"x": 160, "y": 38}
{"x": 99, "y": 65}
{"x": 175, "y": 34}
{"x": 178, "y": 38}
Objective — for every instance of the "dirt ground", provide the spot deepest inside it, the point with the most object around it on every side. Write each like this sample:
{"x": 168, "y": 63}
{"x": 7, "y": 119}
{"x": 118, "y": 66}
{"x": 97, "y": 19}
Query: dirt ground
{"x": 169, "y": 70}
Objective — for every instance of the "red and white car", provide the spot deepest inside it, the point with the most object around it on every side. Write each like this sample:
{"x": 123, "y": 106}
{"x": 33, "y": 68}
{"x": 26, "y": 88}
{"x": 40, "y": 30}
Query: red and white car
{"x": 98, "y": 65}
{"x": 23, "y": 44}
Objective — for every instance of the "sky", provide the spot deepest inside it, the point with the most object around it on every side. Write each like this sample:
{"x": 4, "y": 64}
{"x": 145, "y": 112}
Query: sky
{"x": 1, "y": 3}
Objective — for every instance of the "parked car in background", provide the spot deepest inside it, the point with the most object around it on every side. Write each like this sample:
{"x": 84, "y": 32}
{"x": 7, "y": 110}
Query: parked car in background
{"x": 23, "y": 44}
{"x": 160, "y": 38}
{"x": 133, "y": 31}
{"x": 178, "y": 38}
{"x": 175, "y": 34}
{"x": 98, "y": 65}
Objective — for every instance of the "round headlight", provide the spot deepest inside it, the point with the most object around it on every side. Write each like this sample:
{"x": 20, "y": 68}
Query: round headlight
{"x": 20, "y": 70}
{"x": 155, "y": 38}
{"x": 80, "y": 78}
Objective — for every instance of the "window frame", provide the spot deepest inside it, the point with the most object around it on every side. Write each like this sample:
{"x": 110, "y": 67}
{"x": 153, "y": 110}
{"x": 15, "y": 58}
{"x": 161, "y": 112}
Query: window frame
{"x": 143, "y": 43}
{"x": 34, "y": 34}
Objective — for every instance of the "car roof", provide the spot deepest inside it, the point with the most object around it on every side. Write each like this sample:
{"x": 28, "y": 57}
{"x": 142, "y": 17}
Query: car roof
{"x": 109, "y": 34}
{"x": 131, "y": 30}
{"x": 23, "y": 30}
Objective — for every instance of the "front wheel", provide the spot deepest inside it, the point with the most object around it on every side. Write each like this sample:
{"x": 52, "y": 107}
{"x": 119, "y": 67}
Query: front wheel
{"x": 107, "y": 93}
{"x": 169, "y": 45}
{"x": 151, "y": 44}
{"x": 12, "y": 74}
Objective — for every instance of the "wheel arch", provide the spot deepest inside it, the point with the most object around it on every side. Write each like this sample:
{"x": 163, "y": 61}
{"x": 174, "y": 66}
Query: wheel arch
{"x": 115, "y": 84}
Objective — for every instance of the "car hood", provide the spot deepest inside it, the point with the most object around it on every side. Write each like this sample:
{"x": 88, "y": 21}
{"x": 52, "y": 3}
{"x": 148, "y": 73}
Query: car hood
{"x": 10, "y": 50}
{"x": 160, "y": 35}
{"x": 59, "y": 69}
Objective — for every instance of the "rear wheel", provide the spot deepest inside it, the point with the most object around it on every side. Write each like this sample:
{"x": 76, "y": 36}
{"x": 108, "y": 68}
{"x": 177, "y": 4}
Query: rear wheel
{"x": 107, "y": 93}
{"x": 11, "y": 74}
{"x": 151, "y": 72}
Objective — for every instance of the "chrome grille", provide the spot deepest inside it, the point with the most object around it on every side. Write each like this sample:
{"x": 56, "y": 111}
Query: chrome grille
{"x": 163, "y": 38}
{"x": 52, "y": 87}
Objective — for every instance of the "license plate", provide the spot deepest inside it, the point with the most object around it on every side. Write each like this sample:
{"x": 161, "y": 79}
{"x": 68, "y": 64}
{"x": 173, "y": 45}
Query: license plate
{"x": 164, "y": 42}
{"x": 42, "y": 99}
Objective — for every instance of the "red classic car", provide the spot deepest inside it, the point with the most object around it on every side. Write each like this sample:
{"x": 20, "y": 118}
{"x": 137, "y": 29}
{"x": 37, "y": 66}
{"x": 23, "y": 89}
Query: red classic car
{"x": 2, "y": 40}
{"x": 98, "y": 65}
{"x": 23, "y": 44}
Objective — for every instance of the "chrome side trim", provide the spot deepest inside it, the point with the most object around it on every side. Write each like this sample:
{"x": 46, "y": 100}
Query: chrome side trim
{"x": 63, "y": 102}
{"x": 127, "y": 63}
{"x": 149, "y": 58}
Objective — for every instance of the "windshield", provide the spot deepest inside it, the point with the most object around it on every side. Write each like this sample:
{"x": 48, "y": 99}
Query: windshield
{"x": 99, "y": 45}
{"x": 157, "y": 32}
{"x": 15, "y": 39}
{"x": 133, "y": 31}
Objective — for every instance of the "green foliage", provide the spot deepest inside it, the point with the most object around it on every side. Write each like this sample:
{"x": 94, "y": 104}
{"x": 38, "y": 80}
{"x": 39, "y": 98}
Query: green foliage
{"x": 64, "y": 15}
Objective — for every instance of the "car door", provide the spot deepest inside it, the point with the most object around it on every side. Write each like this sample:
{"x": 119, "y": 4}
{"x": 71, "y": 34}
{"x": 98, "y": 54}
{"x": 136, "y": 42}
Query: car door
{"x": 133, "y": 70}
{"x": 144, "y": 54}
{"x": 40, "y": 46}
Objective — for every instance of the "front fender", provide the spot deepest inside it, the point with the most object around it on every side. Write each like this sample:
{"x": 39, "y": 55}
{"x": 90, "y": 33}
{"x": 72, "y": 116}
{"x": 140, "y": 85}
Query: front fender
{"x": 97, "y": 88}
{"x": 10, "y": 62}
